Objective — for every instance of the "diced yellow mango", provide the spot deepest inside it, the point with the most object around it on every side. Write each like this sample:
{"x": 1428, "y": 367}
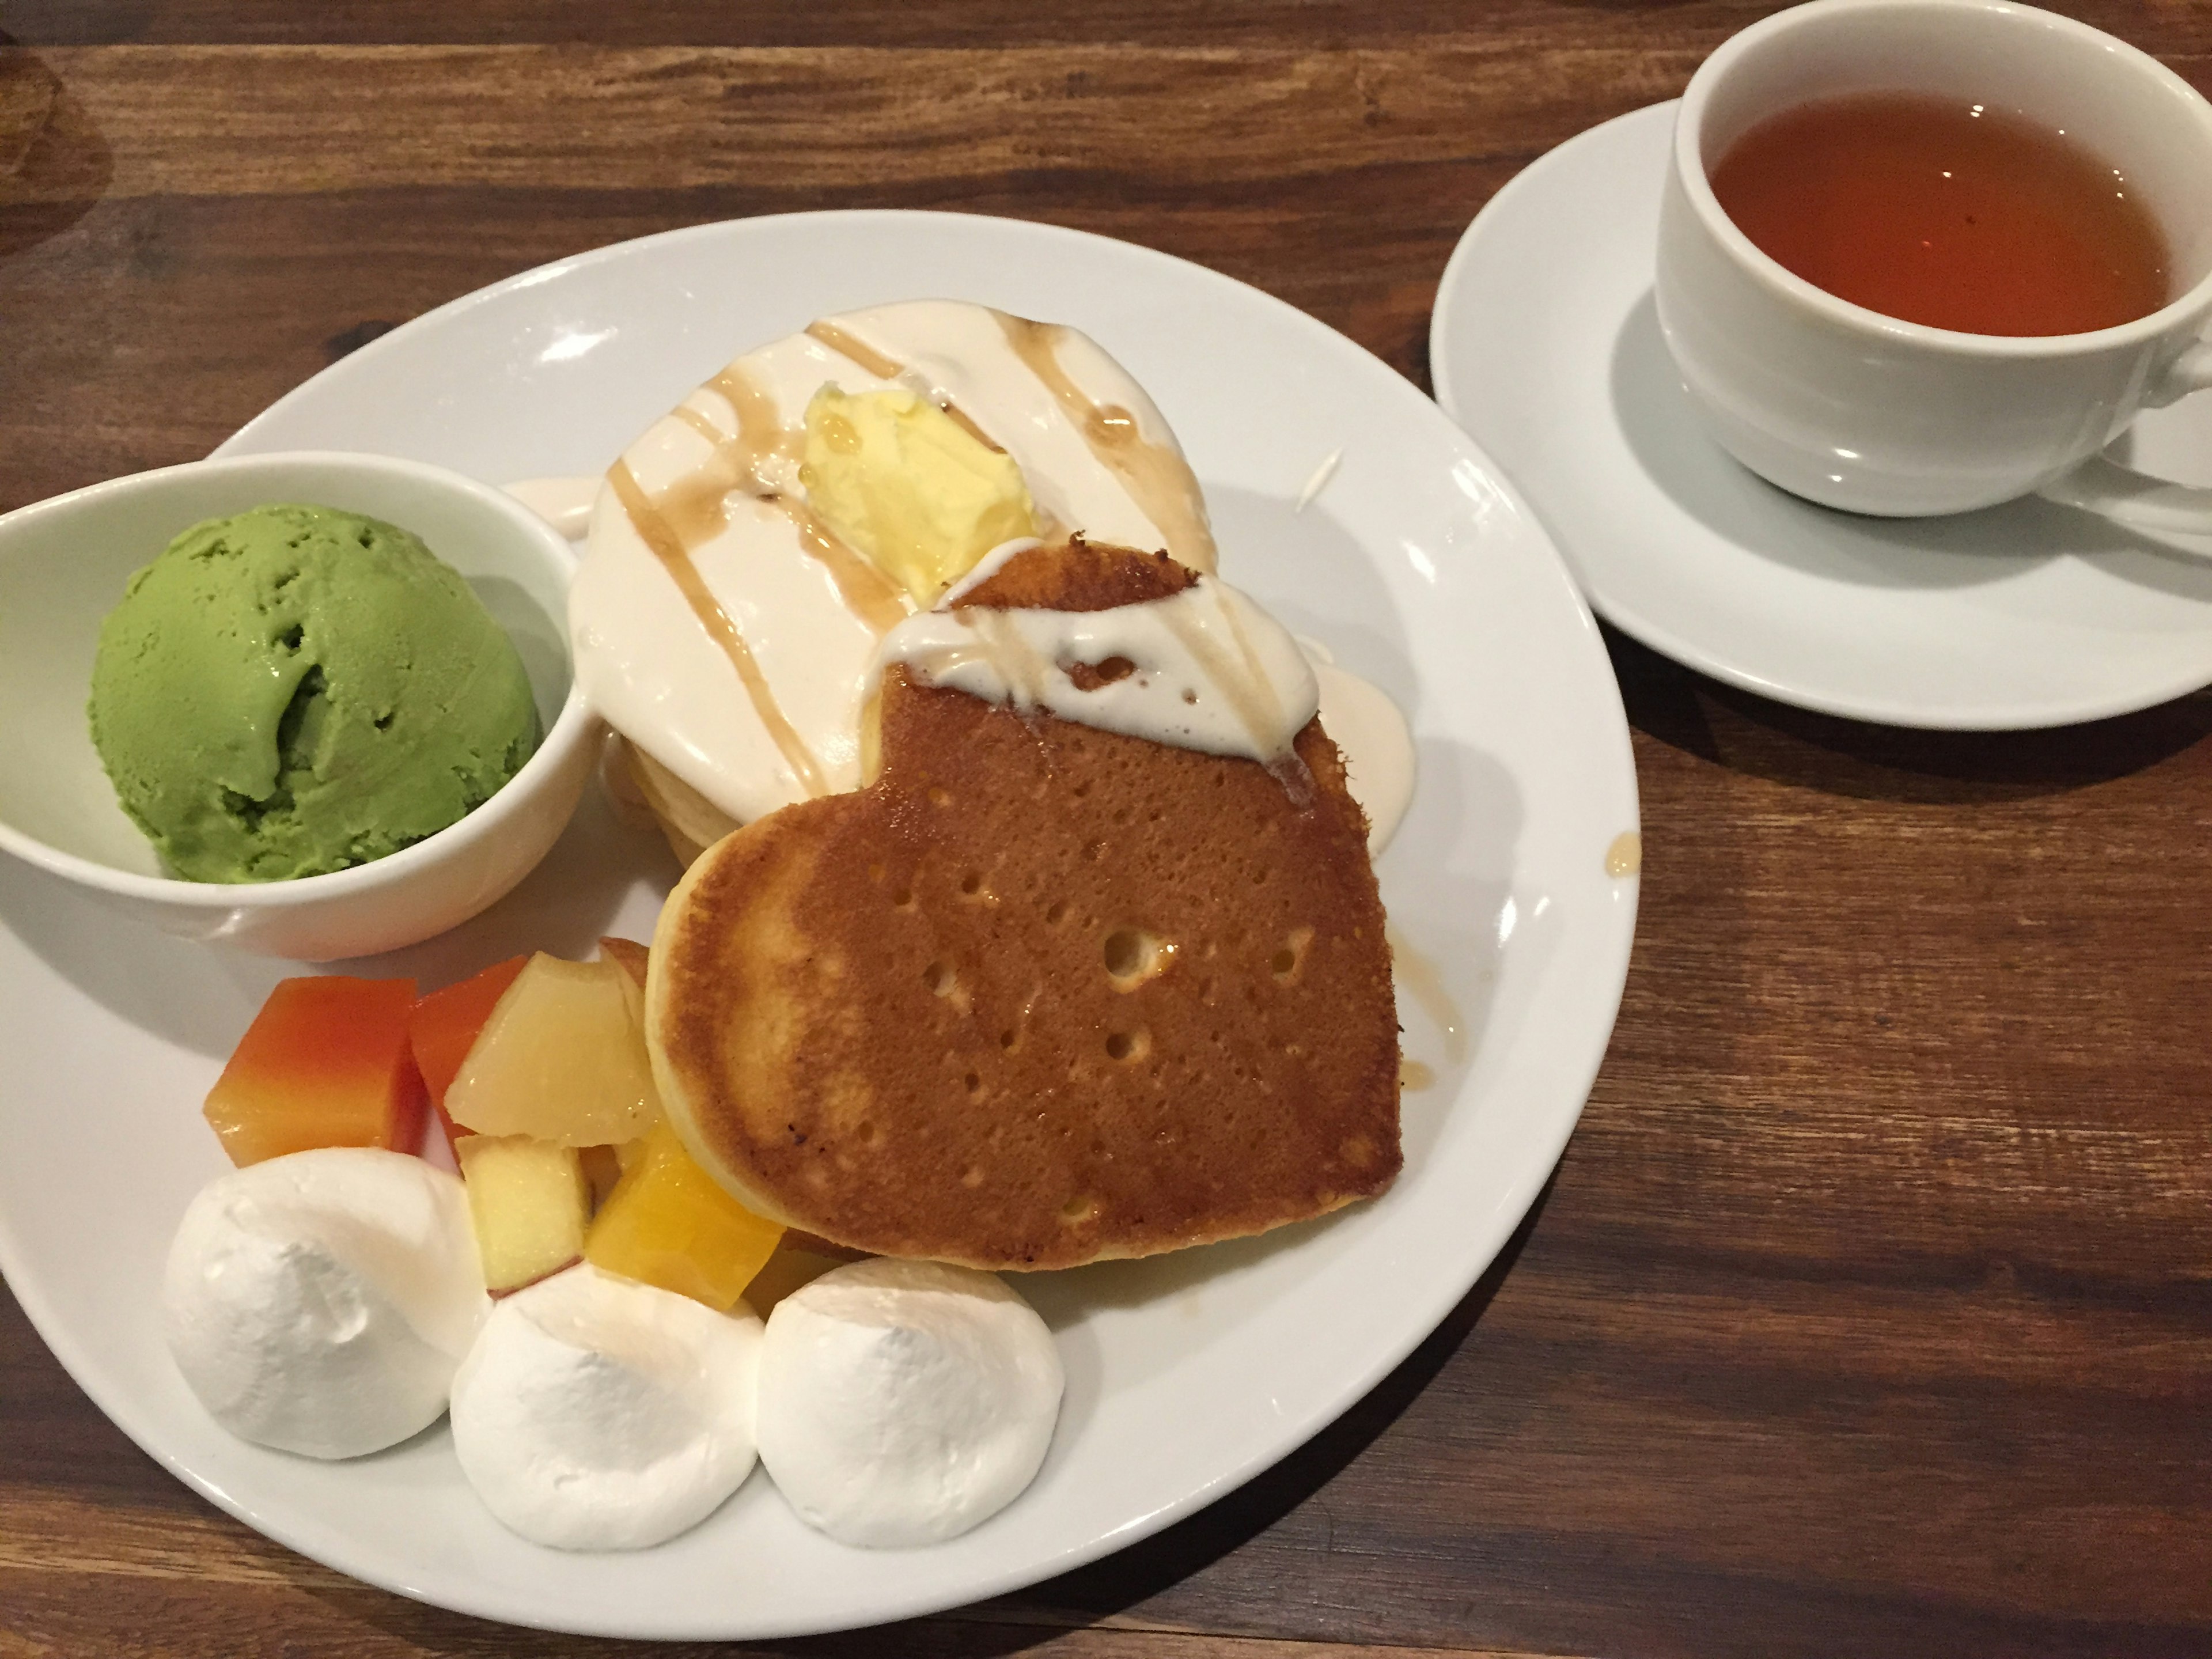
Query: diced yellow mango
{"x": 668, "y": 1224}
{"x": 530, "y": 1203}
{"x": 902, "y": 482}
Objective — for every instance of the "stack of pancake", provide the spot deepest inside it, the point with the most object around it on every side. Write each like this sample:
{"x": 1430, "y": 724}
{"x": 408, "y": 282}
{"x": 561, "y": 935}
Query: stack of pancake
{"x": 1038, "y": 992}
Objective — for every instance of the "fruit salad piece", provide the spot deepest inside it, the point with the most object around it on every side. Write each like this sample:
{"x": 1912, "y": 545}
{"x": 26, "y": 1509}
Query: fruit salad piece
{"x": 443, "y": 1026}
{"x": 530, "y": 1203}
{"x": 668, "y": 1224}
{"x": 326, "y": 1062}
{"x": 562, "y": 1058}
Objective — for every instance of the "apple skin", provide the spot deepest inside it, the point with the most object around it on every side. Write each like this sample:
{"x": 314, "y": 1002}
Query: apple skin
{"x": 506, "y": 1290}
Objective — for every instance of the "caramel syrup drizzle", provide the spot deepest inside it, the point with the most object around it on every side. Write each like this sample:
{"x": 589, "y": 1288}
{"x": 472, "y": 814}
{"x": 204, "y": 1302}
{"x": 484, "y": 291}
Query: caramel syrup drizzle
{"x": 868, "y": 594}
{"x": 1160, "y": 480}
{"x": 658, "y": 533}
{"x": 1426, "y": 981}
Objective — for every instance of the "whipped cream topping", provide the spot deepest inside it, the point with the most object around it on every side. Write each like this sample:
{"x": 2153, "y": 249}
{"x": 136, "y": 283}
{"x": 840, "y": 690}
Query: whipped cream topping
{"x": 598, "y": 1414}
{"x": 719, "y": 626}
{"x": 1206, "y": 669}
{"x": 320, "y": 1302}
{"x": 903, "y": 1403}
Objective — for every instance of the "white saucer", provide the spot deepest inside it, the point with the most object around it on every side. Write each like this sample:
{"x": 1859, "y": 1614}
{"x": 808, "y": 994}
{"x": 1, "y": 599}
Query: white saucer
{"x": 1545, "y": 346}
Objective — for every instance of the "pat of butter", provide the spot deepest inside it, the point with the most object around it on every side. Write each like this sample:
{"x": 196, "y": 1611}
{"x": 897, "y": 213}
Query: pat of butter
{"x": 902, "y": 483}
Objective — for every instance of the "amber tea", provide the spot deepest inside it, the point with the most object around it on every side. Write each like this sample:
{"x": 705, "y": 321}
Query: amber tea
{"x": 1955, "y": 215}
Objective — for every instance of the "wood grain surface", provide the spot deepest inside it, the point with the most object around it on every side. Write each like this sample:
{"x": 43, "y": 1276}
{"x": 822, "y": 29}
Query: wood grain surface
{"x": 1870, "y": 1310}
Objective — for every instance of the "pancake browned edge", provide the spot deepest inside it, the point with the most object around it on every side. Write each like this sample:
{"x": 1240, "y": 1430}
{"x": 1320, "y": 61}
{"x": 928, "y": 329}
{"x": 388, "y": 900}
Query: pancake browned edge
{"x": 1040, "y": 994}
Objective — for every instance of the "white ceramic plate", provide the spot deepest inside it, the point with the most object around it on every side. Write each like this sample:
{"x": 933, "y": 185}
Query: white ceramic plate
{"x": 1546, "y": 348}
{"x": 1188, "y": 1374}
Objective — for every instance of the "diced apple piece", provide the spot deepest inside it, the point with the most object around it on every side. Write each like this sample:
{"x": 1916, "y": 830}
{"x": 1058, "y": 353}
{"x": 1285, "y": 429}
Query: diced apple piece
{"x": 668, "y": 1224}
{"x": 444, "y": 1024}
{"x": 530, "y": 1203}
{"x": 561, "y": 1058}
{"x": 632, "y": 956}
{"x": 325, "y": 1063}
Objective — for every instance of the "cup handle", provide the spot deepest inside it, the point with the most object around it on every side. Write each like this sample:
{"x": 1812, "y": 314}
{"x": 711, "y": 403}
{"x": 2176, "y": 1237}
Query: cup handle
{"x": 2136, "y": 499}
{"x": 2191, "y": 372}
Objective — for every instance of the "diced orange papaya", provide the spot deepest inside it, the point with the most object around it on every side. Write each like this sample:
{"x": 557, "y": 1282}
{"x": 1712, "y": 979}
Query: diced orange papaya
{"x": 326, "y": 1062}
{"x": 443, "y": 1026}
{"x": 668, "y": 1224}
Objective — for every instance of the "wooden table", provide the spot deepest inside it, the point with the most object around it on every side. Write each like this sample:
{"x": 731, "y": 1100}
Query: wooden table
{"x": 1870, "y": 1310}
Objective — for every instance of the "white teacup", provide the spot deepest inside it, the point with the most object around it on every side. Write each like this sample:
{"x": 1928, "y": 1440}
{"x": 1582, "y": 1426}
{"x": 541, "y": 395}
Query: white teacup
{"x": 1855, "y": 409}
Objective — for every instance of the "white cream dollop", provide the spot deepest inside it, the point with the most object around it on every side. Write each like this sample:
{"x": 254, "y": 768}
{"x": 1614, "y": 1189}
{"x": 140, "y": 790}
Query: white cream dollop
{"x": 320, "y": 1302}
{"x": 598, "y": 1414}
{"x": 904, "y": 1402}
{"x": 1207, "y": 668}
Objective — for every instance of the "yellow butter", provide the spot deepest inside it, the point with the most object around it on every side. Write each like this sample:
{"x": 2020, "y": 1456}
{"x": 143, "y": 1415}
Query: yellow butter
{"x": 903, "y": 483}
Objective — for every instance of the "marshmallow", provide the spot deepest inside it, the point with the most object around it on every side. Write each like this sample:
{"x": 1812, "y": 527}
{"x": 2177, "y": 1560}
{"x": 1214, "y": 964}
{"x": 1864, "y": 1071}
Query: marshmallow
{"x": 320, "y": 1302}
{"x": 904, "y": 1402}
{"x": 598, "y": 1414}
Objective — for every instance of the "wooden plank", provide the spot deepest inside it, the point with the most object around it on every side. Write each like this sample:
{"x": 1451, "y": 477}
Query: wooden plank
{"x": 255, "y": 120}
{"x": 2169, "y": 27}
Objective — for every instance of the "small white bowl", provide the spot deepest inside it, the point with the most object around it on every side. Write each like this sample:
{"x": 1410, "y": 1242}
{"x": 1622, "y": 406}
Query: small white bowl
{"x": 62, "y": 565}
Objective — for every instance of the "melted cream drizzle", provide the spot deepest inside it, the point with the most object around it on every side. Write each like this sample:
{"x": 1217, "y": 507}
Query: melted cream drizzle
{"x": 695, "y": 509}
{"x": 656, "y": 529}
{"x": 1243, "y": 680}
{"x": 699, "y": 423}
{"x": 1211, "y": 670}
{"x": 1319, "y": 480}
{"x": 697, "y": 503}
{"x": 1370, "y": 731}
{"x": 1159, "y": 480}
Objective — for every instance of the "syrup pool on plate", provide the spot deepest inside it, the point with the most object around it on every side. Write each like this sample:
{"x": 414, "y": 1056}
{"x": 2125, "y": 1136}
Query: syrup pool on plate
{"x": 1952, "y": 214}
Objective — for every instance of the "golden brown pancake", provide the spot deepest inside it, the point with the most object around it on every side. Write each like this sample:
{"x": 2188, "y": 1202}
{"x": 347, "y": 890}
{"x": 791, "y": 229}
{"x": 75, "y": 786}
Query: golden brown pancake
{"x": 1040, "y": 994}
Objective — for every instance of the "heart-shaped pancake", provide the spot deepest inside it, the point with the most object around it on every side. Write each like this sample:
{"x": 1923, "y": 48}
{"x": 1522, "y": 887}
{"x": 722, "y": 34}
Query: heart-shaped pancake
{"x": 1040, "y": 994}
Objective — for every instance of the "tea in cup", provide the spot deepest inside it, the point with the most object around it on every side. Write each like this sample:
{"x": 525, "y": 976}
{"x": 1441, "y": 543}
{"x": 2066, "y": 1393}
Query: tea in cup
{"x": 1917, "y": 257}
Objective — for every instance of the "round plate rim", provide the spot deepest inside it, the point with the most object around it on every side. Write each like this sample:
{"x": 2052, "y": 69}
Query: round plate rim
{"x": 1444, "y": 1291}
